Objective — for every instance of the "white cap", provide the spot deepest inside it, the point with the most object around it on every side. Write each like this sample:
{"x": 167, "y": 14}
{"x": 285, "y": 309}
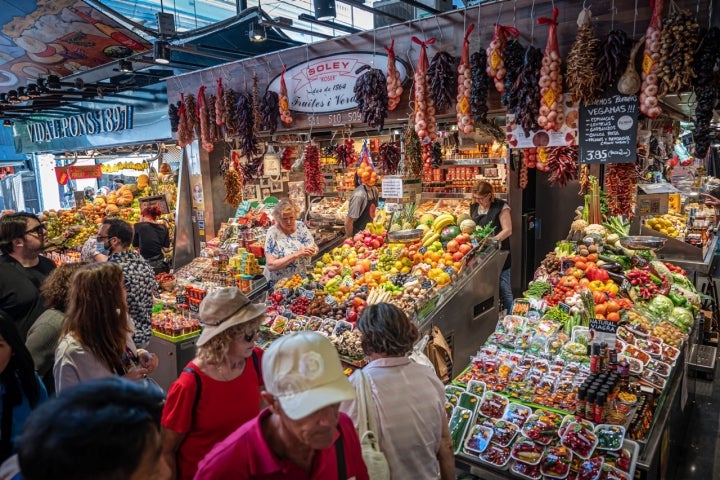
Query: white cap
{"x": 302, "y": 370}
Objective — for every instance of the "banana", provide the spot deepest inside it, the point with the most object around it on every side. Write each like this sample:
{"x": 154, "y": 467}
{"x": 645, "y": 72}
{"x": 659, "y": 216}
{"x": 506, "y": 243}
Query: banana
{"x": 442, "y": 221}
{"x": 432, "y": 239}
{"x": 380, "y": 217}
{"x": 427, "y": 235}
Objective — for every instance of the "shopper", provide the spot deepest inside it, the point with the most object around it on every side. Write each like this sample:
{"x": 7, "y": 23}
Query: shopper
{"x": 96, "y": 334}
{"x": 139, "y": 275}
{"x": 361, "y": 208}
{"x": 102, "y": 429}
{"x": 488, "y": 210}
{"x": 21, "y": 389}
{"x": 301, "y": 433}
{"x": 22, "y": 268}
{"x": 44, "y": 335}
{"x": 219, "y": 390}
{"x": 416, "y": 441}
{"x": 93, "y": 250}
{"x": 288, "y": 244}
{"x": 152, "y": 238}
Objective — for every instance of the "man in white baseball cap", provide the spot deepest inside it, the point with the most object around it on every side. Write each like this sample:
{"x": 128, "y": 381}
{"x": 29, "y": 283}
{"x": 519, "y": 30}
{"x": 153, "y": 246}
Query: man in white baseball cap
{"x": 301, "y": 433}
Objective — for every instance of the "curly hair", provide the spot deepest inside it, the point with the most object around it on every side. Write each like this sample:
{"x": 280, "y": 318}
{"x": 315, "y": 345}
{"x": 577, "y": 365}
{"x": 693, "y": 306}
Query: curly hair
{"x": 153, "y": 211}
{"x": 216, "y": 349}
{"x": 386, "y": 330}
{"x": 97, "y": 314}
{"x": 55, "y": 288}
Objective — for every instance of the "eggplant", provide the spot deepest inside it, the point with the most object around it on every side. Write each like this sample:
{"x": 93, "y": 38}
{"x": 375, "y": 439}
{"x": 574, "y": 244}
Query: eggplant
{"x": 618, "y": 278}
{"x": 612, "y": 266}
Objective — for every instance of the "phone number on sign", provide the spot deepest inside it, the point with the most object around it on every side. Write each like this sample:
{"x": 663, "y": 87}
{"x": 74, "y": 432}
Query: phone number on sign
{"x": 335, "y": 118}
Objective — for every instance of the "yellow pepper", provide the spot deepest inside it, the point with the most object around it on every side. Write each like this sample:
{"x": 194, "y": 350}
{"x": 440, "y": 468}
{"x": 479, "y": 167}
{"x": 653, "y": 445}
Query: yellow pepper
{"x": 611, "y": 287}
{"x": 596, "y": 285}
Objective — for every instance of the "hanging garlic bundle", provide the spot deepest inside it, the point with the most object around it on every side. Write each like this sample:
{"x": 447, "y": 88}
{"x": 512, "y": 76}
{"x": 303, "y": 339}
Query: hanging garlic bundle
{"x": 463, "y": 107}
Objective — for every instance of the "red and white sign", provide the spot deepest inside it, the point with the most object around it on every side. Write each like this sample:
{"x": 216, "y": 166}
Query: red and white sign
{"x": 325, "y": 85}
{"x": 76, "y": 172}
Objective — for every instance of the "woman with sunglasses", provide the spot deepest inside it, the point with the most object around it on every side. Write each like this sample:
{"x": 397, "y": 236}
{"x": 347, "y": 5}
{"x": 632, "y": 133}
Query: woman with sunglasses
{"x": 219, "y": 390}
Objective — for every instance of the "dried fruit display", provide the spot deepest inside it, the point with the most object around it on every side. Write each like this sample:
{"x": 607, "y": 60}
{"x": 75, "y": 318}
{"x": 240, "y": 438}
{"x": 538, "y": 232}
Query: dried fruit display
{"x": 678, "y": 43}
{"x": 389, "y": 157}
{"x": 230, "y": 99}
{"x": 173, "y": 116}
{"x": 285, "y": 115}
{"x": 220, "y": 106}
{"x": 314, "y": 181}
{"x": 442, "y": 80}
{"x": 551, "y": 110}
{"x": 612, "y": 59}
{"x": 206, "y": 141}
{"x": 581, "y": 77}
{"x": 233, "y": 187}
{"x": 392, "y": 75}
{"x": 413, "y": 153}
{"x": 513, "y": 56}
{"x": 706, "y": 89}
{"x": 463, "y": 108}
{"x": 621, "y": 181}
{"x": 270, "y": 111}
{"x": 562, "y": 164}
{"x": 372, "y": 97}
{"x": 495, "y": 62}
{"x": 649, "y": 104}
{"x": 527, "y": 88}
{"x": 480, "y": 87}
{"x": 186, "y": 134}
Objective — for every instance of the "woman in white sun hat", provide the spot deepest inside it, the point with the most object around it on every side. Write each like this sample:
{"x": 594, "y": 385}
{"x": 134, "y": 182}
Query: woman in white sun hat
{"x": 219, "y": 390}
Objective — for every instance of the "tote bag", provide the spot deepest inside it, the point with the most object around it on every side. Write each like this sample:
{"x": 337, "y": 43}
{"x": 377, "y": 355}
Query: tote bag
{"x": 375, "y": 460}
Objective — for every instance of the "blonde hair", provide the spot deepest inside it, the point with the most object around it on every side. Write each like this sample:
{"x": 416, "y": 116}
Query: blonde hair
{"x": 482, "y": 187}
{"x": 284, "y": 206}
{"x": 215, "y": 350}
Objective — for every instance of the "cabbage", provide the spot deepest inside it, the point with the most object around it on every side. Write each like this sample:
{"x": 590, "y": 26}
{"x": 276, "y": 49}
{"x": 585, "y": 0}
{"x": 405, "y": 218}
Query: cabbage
{"x": 681, "y": 318}
{"x": 683, "y": 281}
{"x": 661, "y": 306}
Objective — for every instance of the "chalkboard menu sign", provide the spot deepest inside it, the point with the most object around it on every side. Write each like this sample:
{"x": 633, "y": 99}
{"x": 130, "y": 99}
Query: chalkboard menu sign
{"x": 607, "y": 129}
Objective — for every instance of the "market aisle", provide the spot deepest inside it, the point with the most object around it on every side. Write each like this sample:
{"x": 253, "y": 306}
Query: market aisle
{"x": 701, "y": 447}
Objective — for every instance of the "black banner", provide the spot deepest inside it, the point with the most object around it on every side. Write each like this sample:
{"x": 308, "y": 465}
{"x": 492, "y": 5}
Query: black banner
{"x": 607, "y": 129}
{"x": 604, "y": 326}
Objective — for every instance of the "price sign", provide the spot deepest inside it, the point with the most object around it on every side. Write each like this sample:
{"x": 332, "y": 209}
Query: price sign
{"x": 180, "y": 299}
{"x": 309, "y": 294}
{"x": 603, "y": 326}
{"x": 194, "y": 307}
{"x": 607, "y": 129}
{"x": 392, "y": 187}
{"x": 564, "y": 307}
{"x": 331, "y": 301}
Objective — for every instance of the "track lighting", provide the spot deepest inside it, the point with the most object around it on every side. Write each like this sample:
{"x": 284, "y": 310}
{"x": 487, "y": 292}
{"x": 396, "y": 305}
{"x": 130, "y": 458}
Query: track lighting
{"x": 324, "y": 9}
{"x": 125, "y": 66}
{"x": 161, "y": 52}
{"x": 7, "y": 123}
{"x": 257, "y": 33}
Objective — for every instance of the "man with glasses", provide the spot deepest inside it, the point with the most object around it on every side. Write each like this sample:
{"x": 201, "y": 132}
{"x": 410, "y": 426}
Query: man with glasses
{"x": 22, "y": 268}
{"x": 116, "y": 237}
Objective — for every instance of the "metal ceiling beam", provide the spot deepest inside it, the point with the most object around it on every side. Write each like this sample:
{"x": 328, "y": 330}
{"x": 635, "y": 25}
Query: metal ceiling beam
{"x": 361, "y": 6}
{"x": 421, "y": 6}
{"x": 337, "y": 26}
{"x": 282, "y": 26}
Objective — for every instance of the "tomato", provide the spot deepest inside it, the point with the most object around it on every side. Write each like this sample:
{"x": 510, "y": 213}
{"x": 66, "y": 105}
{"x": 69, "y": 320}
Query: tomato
{"x": 593, "y": 257}
{"x": 613, "y": 306}
{"x": 581, "y": 265}
{"x": 600, "y": 309}
{"x": 599, "y": 297}
{"x": 613, "y": 316}
{"x": 584, "y": 282}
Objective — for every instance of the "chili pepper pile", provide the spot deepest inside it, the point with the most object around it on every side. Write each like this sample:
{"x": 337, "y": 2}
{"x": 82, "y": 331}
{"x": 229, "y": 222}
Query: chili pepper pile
{"x": 231, "y": 122}
{"x": 270, "y": 111}
{"x": 287, "y": 158}
{"x": 620, "y": 184}
{"x": 233, "y": 187}
{"x": 413, "y": 152}
{"x": 612, "y": 59}
{"x": 173, "y": 116}
{"x": 442, "y": 80}
{"x": 314, "y": 181}
{"x": 372, "y": 97}
{"x": 389, "y": 157}
{"x": 246, "y": 122}
{"x": 562, "y": 163}
{"x": 582, "y": 80}
{"x": 345, "y": 153}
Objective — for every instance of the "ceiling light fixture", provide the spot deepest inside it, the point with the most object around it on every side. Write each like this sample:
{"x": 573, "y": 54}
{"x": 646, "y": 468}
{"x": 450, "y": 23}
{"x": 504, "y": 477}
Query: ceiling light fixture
{"x": 161, "y": 52}
{"x": 22, "y": 94}
{"x": 7, "y": 123}
{"x": 12, "y": 96}
{"x": 125, "y": 66}
{"x": 324, "y": 9}
{"x": 32, "y": 90}
{"x": 257, "y": 33}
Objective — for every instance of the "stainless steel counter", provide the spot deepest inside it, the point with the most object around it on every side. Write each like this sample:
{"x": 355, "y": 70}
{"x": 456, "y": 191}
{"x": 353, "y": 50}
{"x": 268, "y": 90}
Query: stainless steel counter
{"x": 467, "y": 311}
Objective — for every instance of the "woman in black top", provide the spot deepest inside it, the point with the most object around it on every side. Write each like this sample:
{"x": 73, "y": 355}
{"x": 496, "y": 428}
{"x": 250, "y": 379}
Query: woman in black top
{"x": 152, "y": 237}
{"x": 486, "y": 209}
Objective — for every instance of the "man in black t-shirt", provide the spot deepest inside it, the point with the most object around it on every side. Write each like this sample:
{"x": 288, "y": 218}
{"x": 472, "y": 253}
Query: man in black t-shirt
{"x": 22, "y": 268}
{"x": 152, "y": 238}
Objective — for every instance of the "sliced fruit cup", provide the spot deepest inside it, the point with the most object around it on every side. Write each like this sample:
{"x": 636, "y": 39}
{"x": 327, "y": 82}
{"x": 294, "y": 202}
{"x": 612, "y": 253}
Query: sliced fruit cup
{"x": 526, "y": 470}
{"x": 610, "y": 437}
{"x": 580, "y": 439}
{"x": 478, "y": 439}
{"x": 555, "y": 462}
{"x": 493, "y": 405}
{"x": 526, "y": 451}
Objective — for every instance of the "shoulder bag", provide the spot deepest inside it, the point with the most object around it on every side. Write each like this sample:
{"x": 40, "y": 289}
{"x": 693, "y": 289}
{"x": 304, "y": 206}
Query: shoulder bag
{"x": 375, "y": 461}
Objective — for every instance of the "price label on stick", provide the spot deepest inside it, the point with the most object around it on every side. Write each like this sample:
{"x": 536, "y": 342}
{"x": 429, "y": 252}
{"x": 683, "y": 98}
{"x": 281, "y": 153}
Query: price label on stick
{"x": 564, "y": 307}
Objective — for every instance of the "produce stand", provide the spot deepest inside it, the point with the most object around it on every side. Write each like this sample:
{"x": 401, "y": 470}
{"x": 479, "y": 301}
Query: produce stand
{"x": 690, "y": 257}
{"x": 466, "y": 311}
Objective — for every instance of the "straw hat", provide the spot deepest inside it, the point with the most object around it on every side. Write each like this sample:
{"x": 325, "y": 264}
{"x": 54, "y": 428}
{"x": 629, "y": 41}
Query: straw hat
{"x": 223, "y": 308}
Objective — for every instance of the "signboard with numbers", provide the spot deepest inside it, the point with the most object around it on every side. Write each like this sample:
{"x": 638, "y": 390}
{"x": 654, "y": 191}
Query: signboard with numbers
{"x": 607, "y": 129}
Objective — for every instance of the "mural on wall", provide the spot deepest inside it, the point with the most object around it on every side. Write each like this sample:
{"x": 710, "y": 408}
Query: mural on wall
{"x": 58, "y": 37}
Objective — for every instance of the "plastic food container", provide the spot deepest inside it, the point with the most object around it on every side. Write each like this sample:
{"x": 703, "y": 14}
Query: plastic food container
{"x": 590, "y": 469}
{"x": 526, "y": 470}
{"x": 478, "y": 439}
{"x": 476, "y": 387}
{"x": 458, "y": 425}
{"x": 328, "y": 327}
{"x": 493, "y": 405}
{"x": 624, "y": 459}
{"x": 661, "y": 368}
{"x": 496, "y": 456}
{"x": 469, "y": 401}
{"x": 611, "y": 473}
{"x": 610, "y": 437}
{"x": 634, "y": 352}
{"x": 580, "y": 439}
{"x": 555, "y": 462}
{"x": 626, "y": 335}
{"x": 526, "y": 451}
{"x": 342, "y": 326}
{"x": 278, "y": 325}
{"x": 449, "y": 407}
{"x": 517, "y": 413}
{"x": 568, "y": 419}
{"x": 314, "y": 323}
{"x": 453, "y": 391}
{"x": 504, "y": 432}
{"x": 540, "y": 429}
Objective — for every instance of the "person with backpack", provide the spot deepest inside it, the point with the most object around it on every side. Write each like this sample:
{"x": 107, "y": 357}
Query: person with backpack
{"x": 219, "y": 390}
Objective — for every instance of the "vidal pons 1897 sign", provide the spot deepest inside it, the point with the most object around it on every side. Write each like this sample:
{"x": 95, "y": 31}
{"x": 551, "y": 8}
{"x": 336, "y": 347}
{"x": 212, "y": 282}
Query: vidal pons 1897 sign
{"x": 325, "y": 84}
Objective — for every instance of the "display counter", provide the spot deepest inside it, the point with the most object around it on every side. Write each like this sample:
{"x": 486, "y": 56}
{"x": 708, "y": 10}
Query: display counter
{"x": 690, "y": 257}
{"x": 466, "y": 311}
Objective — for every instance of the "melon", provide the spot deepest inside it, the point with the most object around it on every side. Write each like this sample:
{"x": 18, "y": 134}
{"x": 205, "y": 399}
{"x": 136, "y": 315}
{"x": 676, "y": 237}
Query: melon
{"x": 427, "y": 218}
{"x": 462, "y": 216}
{"x": 449, "y": 233}
{"x": 467, "y": 226}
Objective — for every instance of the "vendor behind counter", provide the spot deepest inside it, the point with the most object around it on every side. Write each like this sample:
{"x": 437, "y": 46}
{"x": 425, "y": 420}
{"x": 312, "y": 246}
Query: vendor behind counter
{"x": 289, "y": 246}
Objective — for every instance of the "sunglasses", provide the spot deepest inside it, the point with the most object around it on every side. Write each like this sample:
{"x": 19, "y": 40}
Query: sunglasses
{"x": 39, "y": 230}
{"x": 249, "y": 337}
